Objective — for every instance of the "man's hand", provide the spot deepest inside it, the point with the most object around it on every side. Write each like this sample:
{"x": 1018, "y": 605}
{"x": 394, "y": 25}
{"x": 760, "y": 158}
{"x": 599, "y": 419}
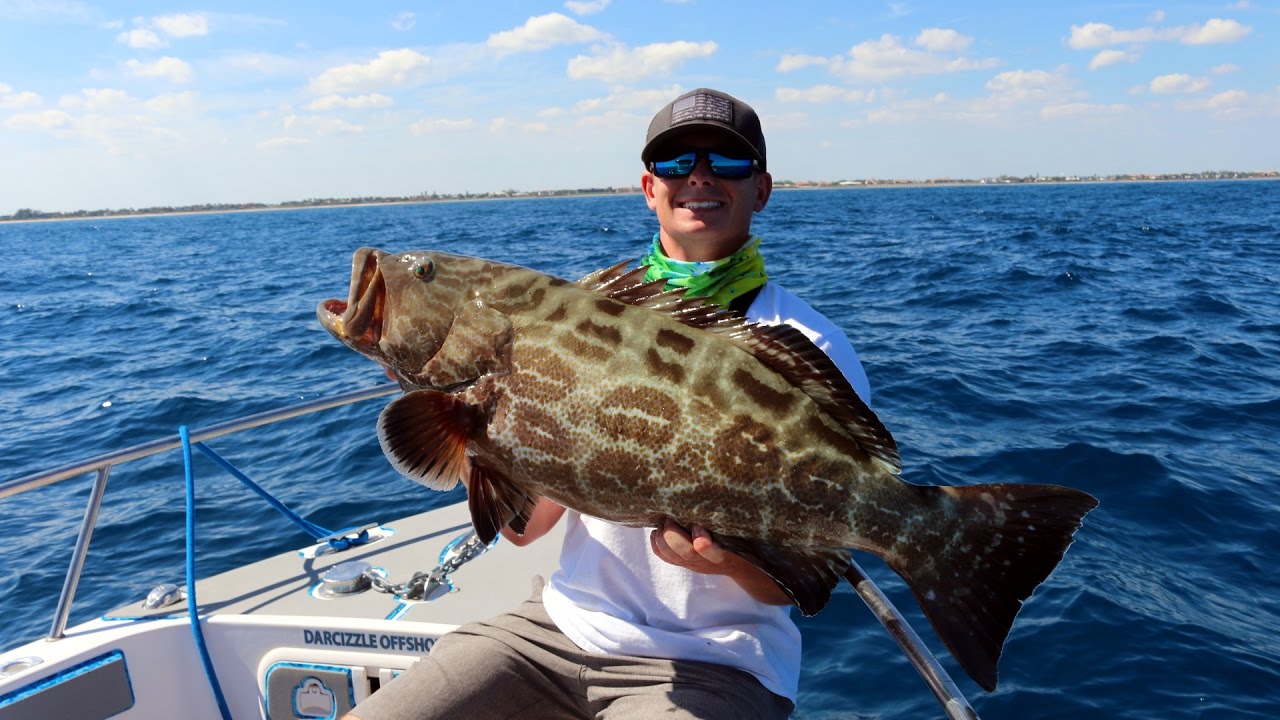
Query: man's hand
{"x": 696, "y": 551}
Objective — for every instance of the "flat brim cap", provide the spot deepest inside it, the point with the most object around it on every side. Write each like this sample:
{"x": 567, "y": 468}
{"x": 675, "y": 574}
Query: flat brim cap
{"x": 705, "y": 109}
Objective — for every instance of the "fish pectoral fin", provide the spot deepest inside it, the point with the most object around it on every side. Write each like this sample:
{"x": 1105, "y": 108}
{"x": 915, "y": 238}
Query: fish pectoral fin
{"x": 424, "y": 434}
{"x": 496, "y": 502}
{"x": 806, "y": 575}
{"x": 478, "y": 344}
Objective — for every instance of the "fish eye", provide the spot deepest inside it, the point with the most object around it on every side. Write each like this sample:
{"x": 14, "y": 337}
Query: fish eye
{"x": 424, "y": 270}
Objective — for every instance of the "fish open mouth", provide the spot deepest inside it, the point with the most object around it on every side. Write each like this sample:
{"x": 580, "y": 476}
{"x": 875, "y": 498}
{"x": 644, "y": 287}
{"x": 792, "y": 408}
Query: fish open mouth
{"x": 358, "y": 321}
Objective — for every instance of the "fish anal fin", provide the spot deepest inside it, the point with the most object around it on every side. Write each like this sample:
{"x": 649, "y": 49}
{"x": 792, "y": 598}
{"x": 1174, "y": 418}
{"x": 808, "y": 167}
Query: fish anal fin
{"x": 424, "y": 434}
{"x": 496, "y": 502}
{"x": 806, "y": 575}
{"x": 1008, "y": 539}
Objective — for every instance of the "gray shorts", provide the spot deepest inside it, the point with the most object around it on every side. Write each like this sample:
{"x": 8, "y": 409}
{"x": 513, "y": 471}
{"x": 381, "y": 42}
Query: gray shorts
{"x": 521, "y": 665}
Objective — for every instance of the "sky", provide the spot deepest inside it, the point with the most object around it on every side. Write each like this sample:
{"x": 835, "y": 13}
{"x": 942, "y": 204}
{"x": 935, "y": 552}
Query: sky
{"x": 144, "y": 104}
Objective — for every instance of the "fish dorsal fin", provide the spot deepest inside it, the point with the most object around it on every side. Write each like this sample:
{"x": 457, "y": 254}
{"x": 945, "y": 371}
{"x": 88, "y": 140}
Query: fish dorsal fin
{"x": 794, "y": 356}
{"x": 607, "y": 279}
{"x": 782, "y": 348}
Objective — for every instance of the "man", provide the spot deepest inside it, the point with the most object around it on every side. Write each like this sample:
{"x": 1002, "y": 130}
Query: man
{"x": 638, "y": 622}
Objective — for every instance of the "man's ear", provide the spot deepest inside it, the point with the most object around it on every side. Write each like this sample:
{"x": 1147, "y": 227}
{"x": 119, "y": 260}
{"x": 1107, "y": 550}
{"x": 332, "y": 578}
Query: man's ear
{"x": 764, "y": 188}
{"x": 646, "y": 184}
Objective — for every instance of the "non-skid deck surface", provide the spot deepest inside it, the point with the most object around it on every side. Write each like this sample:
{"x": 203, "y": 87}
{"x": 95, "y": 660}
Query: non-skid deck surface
{"x": 282, "y": 585}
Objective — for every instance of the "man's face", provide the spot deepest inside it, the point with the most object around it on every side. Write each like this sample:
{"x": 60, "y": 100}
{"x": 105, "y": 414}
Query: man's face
{"x": 703, "y": 217}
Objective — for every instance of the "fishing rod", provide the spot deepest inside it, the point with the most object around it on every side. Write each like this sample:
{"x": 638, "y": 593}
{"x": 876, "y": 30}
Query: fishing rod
{"x": 944, "y": 689}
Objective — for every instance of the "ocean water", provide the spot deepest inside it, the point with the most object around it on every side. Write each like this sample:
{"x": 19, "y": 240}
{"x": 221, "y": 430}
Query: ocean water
{"x": 1122, "y": 339}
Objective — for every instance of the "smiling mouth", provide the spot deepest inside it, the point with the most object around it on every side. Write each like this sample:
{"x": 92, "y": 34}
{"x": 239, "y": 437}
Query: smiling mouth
{"x": 358, "y": 321}
{"x": 701, "y": 205}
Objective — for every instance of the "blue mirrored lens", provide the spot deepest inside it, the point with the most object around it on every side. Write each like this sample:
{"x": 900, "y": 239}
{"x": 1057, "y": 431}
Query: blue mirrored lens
{"x": 728, "y": 167}
{"x": 721, "y": 166}
{"x": 678, "y": 167}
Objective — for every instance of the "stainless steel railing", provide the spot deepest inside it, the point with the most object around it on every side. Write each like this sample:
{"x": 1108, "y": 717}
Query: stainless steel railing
{"x": 101, "y": 465}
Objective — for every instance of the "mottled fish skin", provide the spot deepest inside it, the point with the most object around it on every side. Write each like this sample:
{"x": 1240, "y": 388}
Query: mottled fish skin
{"x": 624, "y": 413}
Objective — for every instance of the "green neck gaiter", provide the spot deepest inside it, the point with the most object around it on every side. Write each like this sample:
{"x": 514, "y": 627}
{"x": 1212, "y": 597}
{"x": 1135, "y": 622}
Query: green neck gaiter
{"x": 720, "y": 281}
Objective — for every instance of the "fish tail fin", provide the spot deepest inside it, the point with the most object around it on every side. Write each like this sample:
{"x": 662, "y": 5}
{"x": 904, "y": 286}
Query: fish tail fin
{"x": 1003, "y": 541}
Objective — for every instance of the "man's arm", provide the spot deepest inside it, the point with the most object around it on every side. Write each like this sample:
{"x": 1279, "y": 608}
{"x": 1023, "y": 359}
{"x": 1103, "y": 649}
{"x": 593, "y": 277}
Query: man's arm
{"x": 696, "y": 551}
{"x": 544, "y": 517}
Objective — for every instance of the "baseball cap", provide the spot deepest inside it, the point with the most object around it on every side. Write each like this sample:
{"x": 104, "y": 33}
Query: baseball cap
{"x": 705, "y": 109}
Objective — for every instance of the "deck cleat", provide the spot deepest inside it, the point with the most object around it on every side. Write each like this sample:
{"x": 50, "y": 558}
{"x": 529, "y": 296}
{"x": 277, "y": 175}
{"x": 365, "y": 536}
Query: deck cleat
{"x": 164, "y": 595}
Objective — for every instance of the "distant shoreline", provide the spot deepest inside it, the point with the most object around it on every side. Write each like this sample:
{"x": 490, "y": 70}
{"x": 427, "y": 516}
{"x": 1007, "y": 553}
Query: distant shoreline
{"x": 37, "y": 216}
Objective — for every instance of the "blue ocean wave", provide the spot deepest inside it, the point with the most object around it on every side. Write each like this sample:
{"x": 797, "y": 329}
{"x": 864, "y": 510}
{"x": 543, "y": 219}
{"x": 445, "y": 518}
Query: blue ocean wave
{"x": 1121, "y": 339}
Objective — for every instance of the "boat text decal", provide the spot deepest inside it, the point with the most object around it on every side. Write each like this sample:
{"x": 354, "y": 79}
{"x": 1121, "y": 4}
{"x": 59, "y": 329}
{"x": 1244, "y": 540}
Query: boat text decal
{"x": 372, "y": 641}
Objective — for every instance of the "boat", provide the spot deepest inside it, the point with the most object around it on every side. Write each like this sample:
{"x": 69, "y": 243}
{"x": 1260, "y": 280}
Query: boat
{"x": 303, "y": 634}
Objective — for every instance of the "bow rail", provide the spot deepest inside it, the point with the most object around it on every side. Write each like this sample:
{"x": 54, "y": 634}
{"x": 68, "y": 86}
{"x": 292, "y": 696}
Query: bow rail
{"x": 101, "y": 466}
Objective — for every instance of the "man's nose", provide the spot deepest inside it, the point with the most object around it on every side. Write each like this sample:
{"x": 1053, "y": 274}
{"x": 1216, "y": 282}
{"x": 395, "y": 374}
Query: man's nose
{"x": 701, "y": 170}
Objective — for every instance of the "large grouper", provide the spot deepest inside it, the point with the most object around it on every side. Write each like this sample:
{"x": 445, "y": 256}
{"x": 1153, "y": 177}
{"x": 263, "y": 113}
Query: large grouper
{"x": 633, "y": 404}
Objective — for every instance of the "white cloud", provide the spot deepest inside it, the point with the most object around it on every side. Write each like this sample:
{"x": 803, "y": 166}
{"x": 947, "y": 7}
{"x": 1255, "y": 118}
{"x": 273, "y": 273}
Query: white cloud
{"x": 440, "y": 125}
{"x": 170, "y": 68}
{"x": 502, "y": 125}
{"x": 25, "y": 100}
{"x": 1098, "y": 35}
{"x": 1228, "y": 104}
{"x": 1156, "y": 17}
{"x": 357, "y": 102}
{"x": 282, "y": 142}
{"x": 260, "y": 63}
{"x": 1215, "y": 32}
{"x": 586, "y": 8}
{"x": 99, "y": 100}
{"x": 1177, "y": 83}
{"x": 542, "y": 32}
{"x": 404, "y": 21}
{"x": 1228, "y": 99}
{"x": 942, "y": 40}
{"x": 46, "y": 120}
{"x": 886, "y": 58}
{"x": 798, "y": 62}
{"x": 392, "y": 68}
{"x": 140, "y": 39}
{"x": 623, "y": 98}
{"x": 823, "y": 94}
{"x": 335, "y": 126}
{"x": 1111, "y": 57}
{"x": 1015, "y": 88}
{"x": 180, "y": 26}
{"x": 1088, "y": 111}
{"x": 620, "y": 63}
{"x": 1224, "y": 69}
{"x": 172, "y": 103}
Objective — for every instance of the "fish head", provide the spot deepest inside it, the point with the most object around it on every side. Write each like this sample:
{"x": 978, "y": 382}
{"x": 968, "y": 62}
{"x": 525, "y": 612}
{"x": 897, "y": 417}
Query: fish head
{"x": 399, "y": 308}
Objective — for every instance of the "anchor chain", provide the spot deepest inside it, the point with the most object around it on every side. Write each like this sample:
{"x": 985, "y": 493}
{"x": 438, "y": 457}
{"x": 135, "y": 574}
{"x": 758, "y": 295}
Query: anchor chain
{"x": 427, "y": 586}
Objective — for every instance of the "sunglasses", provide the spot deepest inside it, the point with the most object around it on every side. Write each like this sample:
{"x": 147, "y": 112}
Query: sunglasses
{"x": 722, "y": 166}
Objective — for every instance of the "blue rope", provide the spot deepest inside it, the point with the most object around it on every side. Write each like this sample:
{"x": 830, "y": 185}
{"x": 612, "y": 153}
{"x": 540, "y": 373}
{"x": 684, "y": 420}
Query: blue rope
{"x": 315, "y": 531}
{"x": 310, "y": 528}
{"x": 192, "y": 606}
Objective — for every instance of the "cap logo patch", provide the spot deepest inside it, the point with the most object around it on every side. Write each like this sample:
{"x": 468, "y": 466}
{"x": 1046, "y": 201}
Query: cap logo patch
{"x": 702, "y": 107}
